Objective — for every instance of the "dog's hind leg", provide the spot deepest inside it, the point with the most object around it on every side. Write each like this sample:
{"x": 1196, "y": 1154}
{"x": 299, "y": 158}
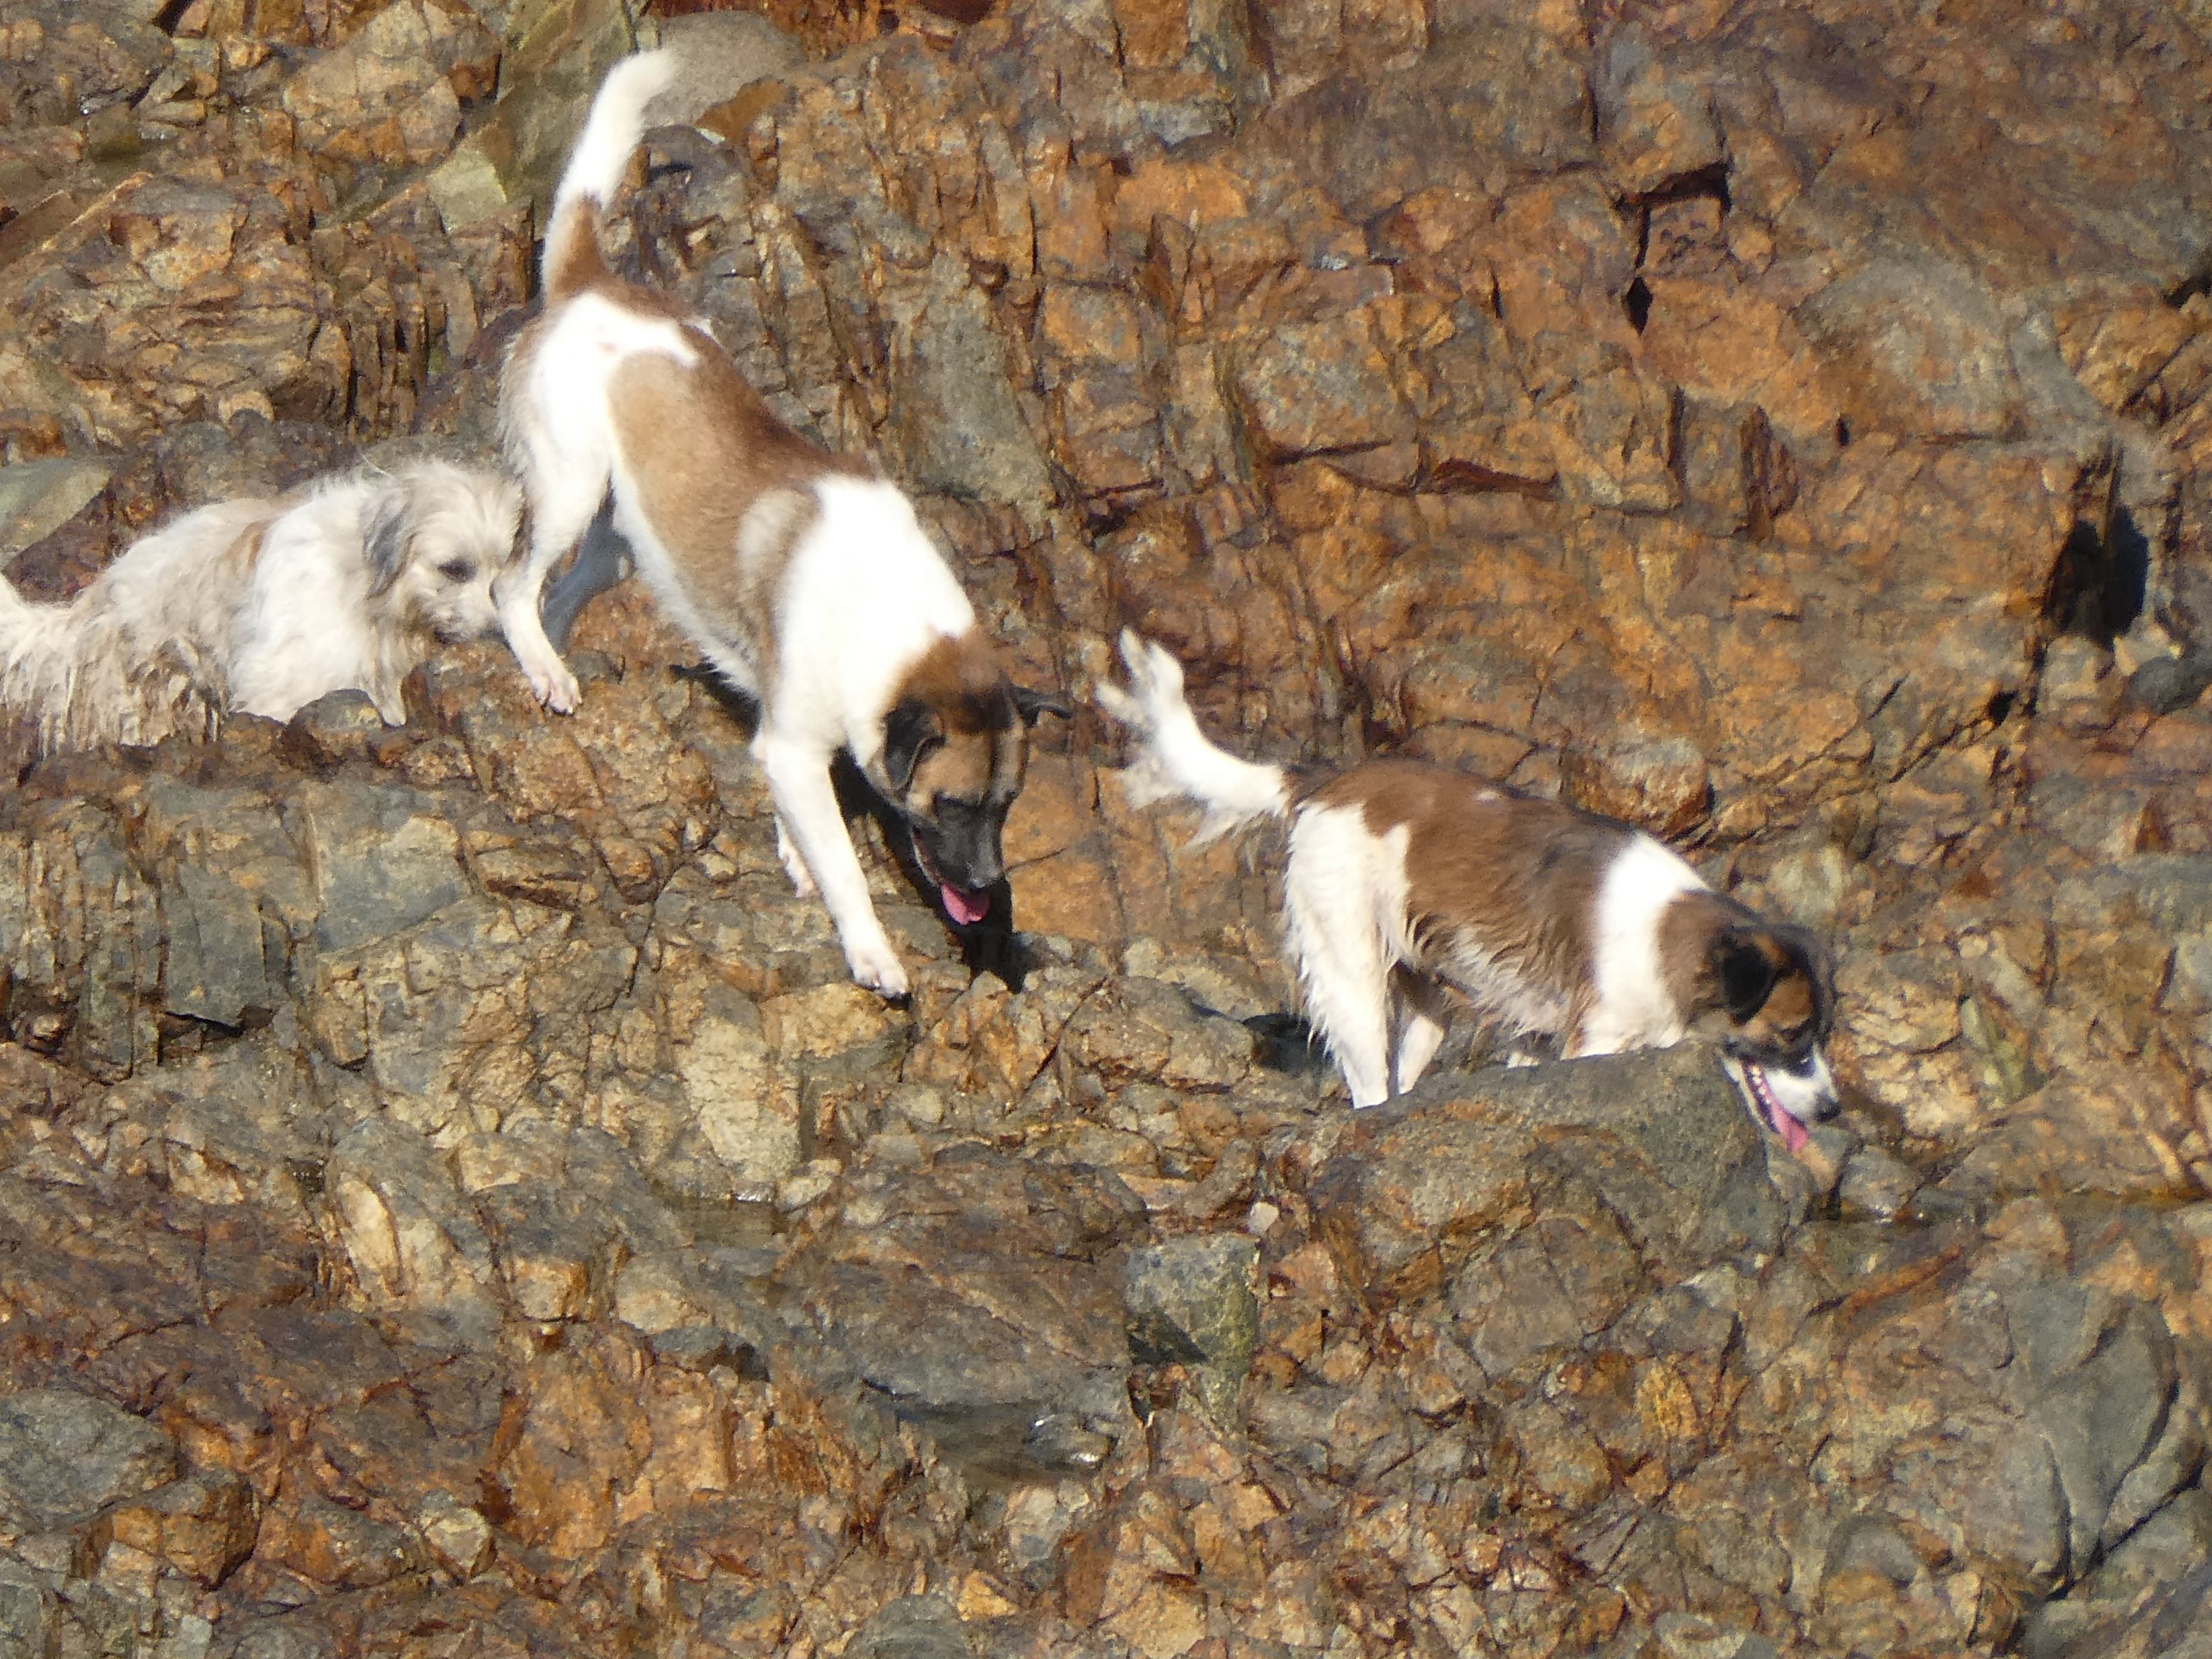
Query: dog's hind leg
{"x": 1421, "y": 1029}
{"x": 806, "y": 805}
{"x": 603, "y": 561}
{"x": 1343, "y": 981}
{"x": 1344, "y": 908}
{"x": 562, "y": 504}
{"x": 1344, "y": 997}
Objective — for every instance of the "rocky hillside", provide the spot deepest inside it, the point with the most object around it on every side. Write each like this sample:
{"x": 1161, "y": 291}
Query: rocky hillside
{"x": 453, "y": 1202}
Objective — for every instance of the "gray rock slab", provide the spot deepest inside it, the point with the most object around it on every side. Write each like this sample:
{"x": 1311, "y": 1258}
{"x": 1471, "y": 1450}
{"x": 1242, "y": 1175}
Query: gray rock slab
{"x": 38, "y": 497}
{"x": 64, "y": 1457}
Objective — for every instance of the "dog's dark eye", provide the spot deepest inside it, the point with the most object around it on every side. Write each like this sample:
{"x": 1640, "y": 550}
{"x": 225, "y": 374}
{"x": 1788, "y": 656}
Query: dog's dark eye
{"x": 458, "y": 570}
{"x": 1801, "y": 1066}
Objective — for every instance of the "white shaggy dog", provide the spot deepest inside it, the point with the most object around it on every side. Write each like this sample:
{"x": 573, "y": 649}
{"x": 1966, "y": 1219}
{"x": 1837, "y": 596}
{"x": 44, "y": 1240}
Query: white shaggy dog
{"x": 1408, "y": 885}
{"x": 804, "y": 578}
{"x": 261, "y": 606}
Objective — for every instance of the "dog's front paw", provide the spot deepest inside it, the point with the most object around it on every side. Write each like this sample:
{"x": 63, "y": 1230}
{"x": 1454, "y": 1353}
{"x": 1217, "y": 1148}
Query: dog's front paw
{"x": 877, "y": 965}
{"x": 556, "y": 687}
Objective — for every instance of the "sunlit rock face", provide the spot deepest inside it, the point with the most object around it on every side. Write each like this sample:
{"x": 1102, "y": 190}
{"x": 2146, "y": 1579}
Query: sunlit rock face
{"x": 450, "y": 1191}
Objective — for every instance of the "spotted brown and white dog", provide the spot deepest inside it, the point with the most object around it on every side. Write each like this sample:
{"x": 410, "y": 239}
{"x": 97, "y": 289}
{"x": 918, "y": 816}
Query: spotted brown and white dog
{"x": 1407, "y": 882}
{"x": 261, "y": 605}
{"x": 805, "y": 579}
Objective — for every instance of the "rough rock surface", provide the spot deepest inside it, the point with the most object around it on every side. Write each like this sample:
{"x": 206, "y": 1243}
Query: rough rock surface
{"x": 451, "y": 1200}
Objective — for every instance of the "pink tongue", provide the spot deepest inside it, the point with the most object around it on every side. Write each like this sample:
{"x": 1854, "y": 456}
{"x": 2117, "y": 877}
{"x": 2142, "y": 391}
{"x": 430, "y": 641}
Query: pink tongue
{"x": 1791, "y": 1131}
{"x": 967, "y": 909}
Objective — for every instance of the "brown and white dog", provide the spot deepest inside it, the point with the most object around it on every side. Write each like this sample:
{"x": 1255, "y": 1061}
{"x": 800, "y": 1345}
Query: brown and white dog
{"x": 260, "y": 606}
{"x": 805, "y": 579}
{"x": 1407, "y": 881}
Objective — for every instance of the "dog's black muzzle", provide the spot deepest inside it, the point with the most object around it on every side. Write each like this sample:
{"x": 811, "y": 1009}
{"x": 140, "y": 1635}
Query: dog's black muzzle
{"x": 962, "y": 846}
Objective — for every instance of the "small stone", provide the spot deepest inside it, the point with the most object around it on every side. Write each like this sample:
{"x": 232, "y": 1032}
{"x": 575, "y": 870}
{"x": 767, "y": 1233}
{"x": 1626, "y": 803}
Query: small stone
{"x": 1057, "y": 1440}
{"x": 806, "y": 1183}
{"x": 335, "y": 1546}
{"x": 1876, "y": 1184}
{"x": 2079, "y": 687}
{"x": 1689, "y": 1636}
{"x": 1191, "y": 1300}
{"x": 702, "y": 1347}
{"x": 460, "y": 1539}
{"x": 469, "y": 186}
{"x": 30, "y": 1615}
{"x": 918, "y": 1627}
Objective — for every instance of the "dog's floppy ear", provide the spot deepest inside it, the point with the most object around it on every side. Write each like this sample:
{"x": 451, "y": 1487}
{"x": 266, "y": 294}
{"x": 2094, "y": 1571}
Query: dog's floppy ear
{"x": 1747, "y": 972}
{"x": 910, "y": 727}
{"x": 1029, "y": 705}
{"x": 384, "y": 537}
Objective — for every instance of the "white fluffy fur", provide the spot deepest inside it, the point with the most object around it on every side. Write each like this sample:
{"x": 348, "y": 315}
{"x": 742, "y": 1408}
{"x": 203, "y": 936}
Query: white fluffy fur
{"x": 261, "y": 606}
{"x": 1346, "y": 921}
{"x": 865, "y": 594}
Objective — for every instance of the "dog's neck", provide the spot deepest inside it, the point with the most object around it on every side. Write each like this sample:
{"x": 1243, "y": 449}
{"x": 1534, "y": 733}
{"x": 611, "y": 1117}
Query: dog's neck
{"x": 955, "y": 669}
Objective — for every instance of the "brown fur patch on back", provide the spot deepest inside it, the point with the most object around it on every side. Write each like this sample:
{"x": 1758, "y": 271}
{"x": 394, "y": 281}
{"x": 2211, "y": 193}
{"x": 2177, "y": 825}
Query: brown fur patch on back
{"x": 1491, "y": 869}
{"x": 710, "y": 498}
{"x": 1687, "y": 928}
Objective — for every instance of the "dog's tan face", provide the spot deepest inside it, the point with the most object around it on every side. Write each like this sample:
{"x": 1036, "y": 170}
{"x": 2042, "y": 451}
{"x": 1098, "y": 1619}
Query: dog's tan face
{"x": 954, "y": 759}
{"x": 1773, "y": 988}
{"x": 1778, "y": 1004}
{"x": 436, "y": 540}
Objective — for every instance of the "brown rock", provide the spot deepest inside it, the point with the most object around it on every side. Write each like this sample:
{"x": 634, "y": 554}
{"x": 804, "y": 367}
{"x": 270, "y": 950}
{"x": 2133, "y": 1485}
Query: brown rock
{"x": 203, "y": 1526}
{"x": 390, "y": 94}
{"x": 460, "y": 1143}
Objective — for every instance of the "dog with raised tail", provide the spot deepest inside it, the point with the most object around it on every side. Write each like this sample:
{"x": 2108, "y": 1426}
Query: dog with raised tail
{"x": 804, "y": 578}
{"x": 1408, "y": 886}
{"x": 260, "y": 606}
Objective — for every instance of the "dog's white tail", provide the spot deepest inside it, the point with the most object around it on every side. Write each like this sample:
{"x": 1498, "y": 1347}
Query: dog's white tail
{"x": 1177, "y": 760}
{"x": 611, "y": 134}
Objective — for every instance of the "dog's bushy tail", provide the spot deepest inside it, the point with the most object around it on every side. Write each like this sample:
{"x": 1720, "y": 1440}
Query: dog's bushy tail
{"x": 611, "y": 134}
{"x": 1174, "y": 759}
{"x": 37, "y": 655}
{"x": 21, "y": 638}
{"x": 79, "y": 674}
